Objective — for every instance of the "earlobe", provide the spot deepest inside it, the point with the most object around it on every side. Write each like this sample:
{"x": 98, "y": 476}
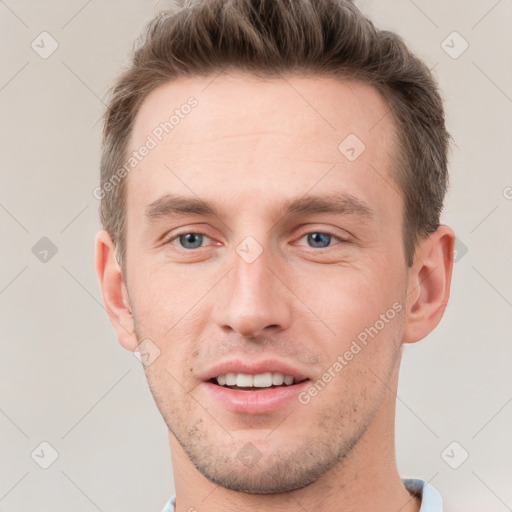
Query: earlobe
{"x": 429, "y": 284}
{"x": 113, "y": 290}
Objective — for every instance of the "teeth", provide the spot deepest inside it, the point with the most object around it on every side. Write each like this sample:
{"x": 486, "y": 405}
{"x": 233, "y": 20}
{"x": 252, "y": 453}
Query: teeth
{"x": 277, "y": 379}
{"x": 243, "y": 380}
{"x": 261, "y": 380}
{"x": 230, "y": 379}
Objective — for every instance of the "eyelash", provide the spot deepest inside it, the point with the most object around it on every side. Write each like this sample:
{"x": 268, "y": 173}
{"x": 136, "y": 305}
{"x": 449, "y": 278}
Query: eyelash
{"x": 332, "y": 235}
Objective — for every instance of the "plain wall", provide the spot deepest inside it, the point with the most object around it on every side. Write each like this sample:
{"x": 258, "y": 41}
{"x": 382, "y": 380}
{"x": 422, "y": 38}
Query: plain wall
{"x": 65, "y": 379}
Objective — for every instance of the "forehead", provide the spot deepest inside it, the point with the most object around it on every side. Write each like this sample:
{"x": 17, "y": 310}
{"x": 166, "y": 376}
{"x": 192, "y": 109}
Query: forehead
{"x": 237, "y": 131}
{"x": 325, "y": 104}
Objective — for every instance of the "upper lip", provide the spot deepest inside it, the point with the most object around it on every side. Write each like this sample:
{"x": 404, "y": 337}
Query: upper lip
{"x": 252, "y": 368}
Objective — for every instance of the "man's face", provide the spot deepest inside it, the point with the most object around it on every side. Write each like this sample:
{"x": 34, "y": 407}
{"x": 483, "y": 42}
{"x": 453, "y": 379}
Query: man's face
{"x": 253, "y": 283}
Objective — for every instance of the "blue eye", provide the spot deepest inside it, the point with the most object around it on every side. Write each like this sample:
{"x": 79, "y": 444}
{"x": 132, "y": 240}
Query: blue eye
{"x": 318, "y": 239}
{"x": 193, "y": 240}
{"x": 189, "y": 238}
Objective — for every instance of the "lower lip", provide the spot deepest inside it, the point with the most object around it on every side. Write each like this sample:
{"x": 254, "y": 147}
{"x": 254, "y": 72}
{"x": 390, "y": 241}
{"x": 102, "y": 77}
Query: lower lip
{"x": 255, "y": 402}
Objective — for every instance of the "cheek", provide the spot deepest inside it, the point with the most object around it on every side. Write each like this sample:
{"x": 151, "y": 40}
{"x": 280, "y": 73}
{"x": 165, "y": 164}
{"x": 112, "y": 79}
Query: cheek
{"x": 170, "y": 310}
{"x": 163, "y": 296}
{"x": 168, "y": 389}
{"x": 359, "y": 329}
{"x": 347, "y": 300}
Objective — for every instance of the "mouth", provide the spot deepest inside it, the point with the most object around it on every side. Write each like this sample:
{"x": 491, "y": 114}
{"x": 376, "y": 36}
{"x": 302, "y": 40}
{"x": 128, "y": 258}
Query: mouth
{"x": 257, "y": 382}
{"x": 254, "y": 388}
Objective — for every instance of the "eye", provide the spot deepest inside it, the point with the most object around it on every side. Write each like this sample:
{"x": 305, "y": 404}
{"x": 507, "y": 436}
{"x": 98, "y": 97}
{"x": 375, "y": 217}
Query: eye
{"x": 320, "y": 240}
{"x": 189, "y": 240}
{"x": 193, "y": 240}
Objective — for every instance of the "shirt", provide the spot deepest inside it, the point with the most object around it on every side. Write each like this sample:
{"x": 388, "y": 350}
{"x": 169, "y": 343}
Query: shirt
{"x": 431, "y": 500}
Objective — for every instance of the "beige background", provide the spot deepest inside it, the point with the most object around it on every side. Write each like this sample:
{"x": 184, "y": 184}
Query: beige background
{"x": 64, "y": 378}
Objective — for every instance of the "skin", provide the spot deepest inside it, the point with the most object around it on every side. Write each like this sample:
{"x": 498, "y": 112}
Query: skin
{"x": 247, "y": 147}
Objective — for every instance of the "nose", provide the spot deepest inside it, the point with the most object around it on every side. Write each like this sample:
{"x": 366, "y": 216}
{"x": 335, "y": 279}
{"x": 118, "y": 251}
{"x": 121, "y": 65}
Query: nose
{"x": 253, "y": 298}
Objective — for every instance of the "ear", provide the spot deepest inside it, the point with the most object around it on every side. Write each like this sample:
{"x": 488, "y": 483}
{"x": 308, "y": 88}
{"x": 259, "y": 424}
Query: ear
{"x": 429, "y": 284}
{"x": 113, "y": 289}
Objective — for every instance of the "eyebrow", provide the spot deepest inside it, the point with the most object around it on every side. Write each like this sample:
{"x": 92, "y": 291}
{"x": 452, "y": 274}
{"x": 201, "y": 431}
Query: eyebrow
{"x": 341, "y": 203}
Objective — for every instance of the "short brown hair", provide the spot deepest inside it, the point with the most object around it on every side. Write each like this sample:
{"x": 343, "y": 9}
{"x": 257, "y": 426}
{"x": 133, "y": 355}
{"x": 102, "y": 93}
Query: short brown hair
{"x": 270, "y": 37}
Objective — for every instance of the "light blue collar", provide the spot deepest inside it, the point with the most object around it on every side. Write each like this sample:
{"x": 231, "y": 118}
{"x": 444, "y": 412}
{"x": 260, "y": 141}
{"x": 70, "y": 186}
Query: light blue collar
{"x": 431, "y": 500}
